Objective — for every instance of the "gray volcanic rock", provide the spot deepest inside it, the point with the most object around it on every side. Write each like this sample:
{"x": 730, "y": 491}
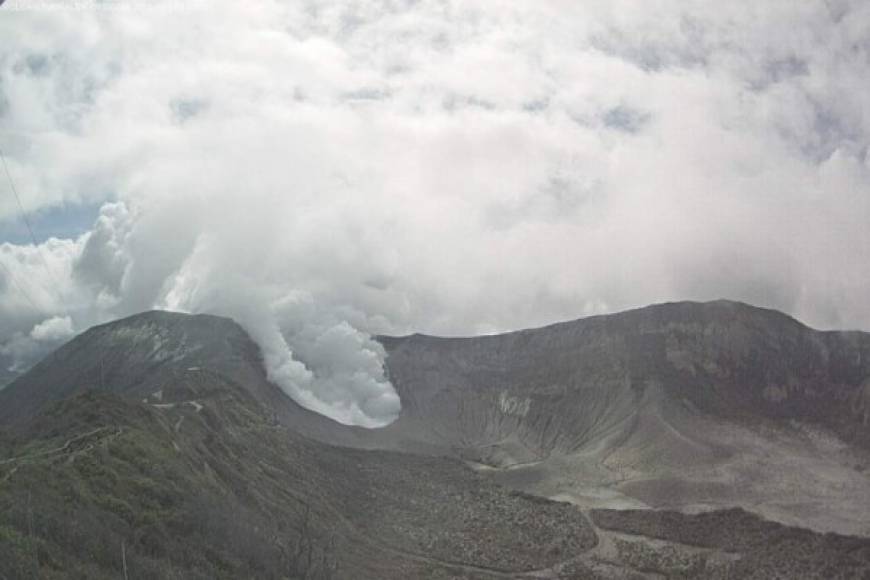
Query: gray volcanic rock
{"x": 657, "y": 540}
{"x": 684, "y": 405}
{"x": 562, "y": 388}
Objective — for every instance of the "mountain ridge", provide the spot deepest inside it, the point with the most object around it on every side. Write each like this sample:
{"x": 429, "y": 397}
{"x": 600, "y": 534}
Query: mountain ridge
{"x": 606, "y": 410}
{"x": 508, "y": 459}
{"x": 630, "y": 312}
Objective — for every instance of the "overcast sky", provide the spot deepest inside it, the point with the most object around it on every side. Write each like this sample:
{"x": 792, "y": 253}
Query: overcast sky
{"x": 326, "y": 170}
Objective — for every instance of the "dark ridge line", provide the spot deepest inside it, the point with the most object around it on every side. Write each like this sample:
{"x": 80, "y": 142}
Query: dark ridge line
{"x": 596, "y": 318}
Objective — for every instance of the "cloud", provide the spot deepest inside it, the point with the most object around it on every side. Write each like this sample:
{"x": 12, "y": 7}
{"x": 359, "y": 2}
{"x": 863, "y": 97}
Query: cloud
{"x": 325, "y": 171}
{"x": 53, "y": 329}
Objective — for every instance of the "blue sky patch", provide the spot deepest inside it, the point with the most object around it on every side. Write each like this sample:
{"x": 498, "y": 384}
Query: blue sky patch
{"x": 63, "y": 221}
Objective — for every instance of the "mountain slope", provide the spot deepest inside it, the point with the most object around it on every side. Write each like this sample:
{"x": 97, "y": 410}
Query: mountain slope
{"x": 204, "y": 485}
{"x": 160, "y": 433}
{"x": 137, "y": 356}
{"x": 132, "y": 357}
{"x": 560, "y": 388}
{"x": 676, "y": 405}
{"x": 685, "y": 405}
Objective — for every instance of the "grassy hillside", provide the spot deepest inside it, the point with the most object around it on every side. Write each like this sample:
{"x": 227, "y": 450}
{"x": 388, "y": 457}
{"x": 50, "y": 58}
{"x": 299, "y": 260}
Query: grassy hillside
{"x": 203, "y": 485}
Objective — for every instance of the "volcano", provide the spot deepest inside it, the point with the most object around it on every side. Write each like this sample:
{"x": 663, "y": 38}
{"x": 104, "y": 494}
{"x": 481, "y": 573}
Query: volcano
{"x": 647, "y": 443}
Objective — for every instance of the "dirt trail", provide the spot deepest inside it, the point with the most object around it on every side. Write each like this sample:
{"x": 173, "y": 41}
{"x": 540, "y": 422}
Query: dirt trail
{"x": 112, "y": 432}
{"x": 70, "y": 448}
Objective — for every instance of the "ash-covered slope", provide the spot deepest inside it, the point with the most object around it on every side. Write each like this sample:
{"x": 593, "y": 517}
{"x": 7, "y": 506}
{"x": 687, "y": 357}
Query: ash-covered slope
{"x": 684, "y": 405}
{"x": 562, "y": 388}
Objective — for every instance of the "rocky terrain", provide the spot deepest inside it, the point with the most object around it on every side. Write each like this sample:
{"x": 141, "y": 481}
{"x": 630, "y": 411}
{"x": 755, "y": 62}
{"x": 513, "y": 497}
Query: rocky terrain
{"x": 677, "y": 405}
{"x": 758, "y": 549}
{"x": 561, "y": 388}
{"x": 157, "y": 441}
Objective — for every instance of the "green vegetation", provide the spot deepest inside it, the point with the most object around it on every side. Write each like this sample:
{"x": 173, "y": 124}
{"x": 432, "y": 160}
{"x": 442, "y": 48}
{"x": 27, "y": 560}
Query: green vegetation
{"x": 215, "y": 489}
{"x": 101, "y": 471}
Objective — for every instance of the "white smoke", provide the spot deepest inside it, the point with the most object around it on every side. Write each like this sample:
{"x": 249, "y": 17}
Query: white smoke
{"x": 327, "y": 171}
{"x": 342, "y": 375}
{"x": 188, "y": 254}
